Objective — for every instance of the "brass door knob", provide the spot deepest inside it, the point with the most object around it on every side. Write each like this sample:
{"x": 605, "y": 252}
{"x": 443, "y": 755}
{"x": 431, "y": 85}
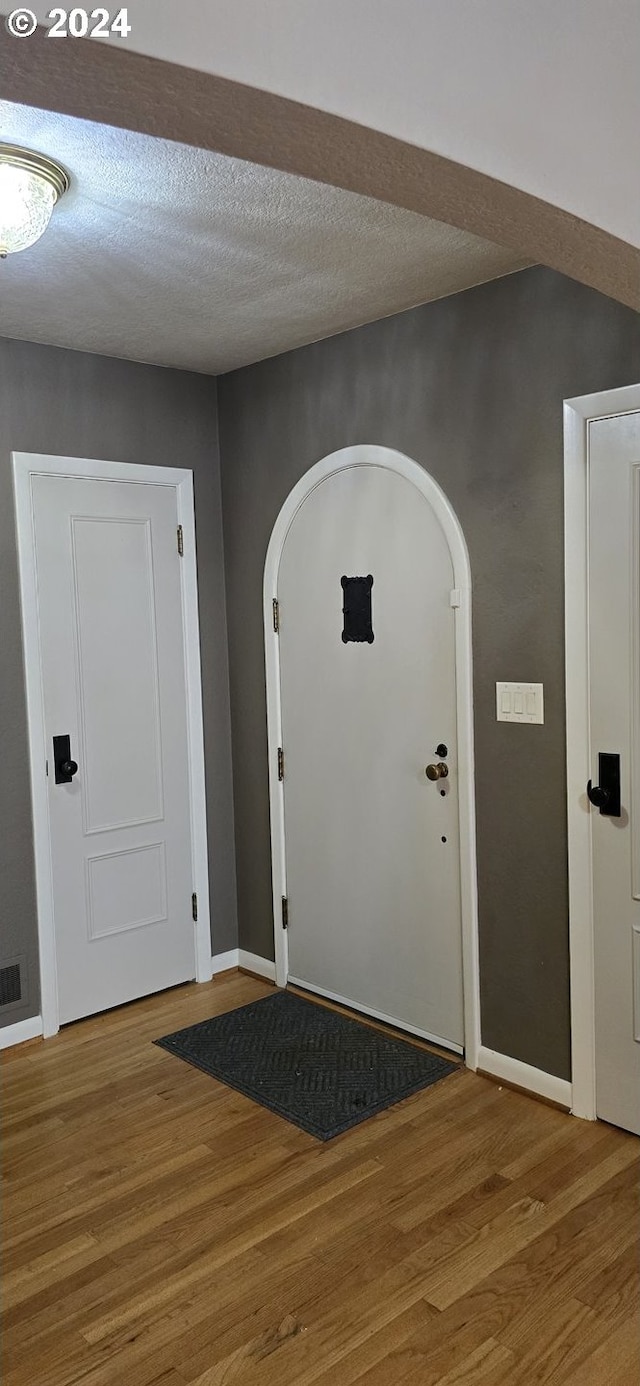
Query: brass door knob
{"x": 437, "y": 772}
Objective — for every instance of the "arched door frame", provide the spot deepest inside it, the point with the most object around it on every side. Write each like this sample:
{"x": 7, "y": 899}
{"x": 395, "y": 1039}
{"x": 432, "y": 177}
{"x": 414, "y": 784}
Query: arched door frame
{"x": 374, "y": 456}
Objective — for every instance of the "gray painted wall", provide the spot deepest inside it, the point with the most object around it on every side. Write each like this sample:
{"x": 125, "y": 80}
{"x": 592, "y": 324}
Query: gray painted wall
{"x": 472, "y": 388}
{"x": 72, "y": 404}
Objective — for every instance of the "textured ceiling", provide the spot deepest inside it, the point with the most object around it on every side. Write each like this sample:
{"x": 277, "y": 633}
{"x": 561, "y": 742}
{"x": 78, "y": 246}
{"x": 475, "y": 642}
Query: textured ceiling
{"x": 174, "y": 255}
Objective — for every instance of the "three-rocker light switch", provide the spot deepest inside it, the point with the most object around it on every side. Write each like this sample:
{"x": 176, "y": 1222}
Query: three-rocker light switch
{"x": 519, "y": 702}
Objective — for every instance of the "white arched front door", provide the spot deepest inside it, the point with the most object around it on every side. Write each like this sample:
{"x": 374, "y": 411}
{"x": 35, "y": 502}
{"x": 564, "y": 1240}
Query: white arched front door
{"x": 370, "y": 709}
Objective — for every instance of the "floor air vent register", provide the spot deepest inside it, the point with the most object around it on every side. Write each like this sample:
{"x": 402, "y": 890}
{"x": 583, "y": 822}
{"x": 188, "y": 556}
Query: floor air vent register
{"x": 11, "y": 988}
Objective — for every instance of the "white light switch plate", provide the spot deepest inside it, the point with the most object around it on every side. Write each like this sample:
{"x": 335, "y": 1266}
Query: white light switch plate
{"x": 519, "y": 702}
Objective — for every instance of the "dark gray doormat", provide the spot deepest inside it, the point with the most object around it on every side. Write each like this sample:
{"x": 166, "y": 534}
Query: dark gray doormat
{"x": 321, "y": 1070}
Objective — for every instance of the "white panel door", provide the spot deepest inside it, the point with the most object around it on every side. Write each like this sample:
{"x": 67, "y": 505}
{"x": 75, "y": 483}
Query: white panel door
{"x": 372, "y": 844}
{"x": 614, "y": 638}
{"x": 113, "y": 675}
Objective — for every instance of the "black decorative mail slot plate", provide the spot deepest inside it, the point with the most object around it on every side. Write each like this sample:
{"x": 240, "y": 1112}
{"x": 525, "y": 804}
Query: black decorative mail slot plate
{"x": 356, "y": 609}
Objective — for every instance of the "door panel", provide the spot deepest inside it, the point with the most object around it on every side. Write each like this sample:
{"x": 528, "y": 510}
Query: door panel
{"x": 117, "y": 662}
{"x": 112, "y": 651}
{"x": 372, "y": 845}
{"x": 614, "y": 606}
{"x": 126, "y": 889}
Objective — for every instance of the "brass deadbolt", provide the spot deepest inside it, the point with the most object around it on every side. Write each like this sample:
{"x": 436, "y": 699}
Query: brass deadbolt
{"x": 437, "y": 772}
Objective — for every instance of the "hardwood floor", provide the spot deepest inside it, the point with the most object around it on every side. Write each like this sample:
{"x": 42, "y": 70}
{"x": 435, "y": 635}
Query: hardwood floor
{"x": 162, "y": 1230}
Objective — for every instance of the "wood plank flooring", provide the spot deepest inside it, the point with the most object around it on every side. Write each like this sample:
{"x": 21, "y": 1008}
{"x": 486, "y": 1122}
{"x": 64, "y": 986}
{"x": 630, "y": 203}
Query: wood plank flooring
{"x": 162, "y": 1230}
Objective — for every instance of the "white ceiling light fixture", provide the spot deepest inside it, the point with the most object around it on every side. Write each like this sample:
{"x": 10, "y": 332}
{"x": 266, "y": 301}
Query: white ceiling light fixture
{"x": 30, "y": 186}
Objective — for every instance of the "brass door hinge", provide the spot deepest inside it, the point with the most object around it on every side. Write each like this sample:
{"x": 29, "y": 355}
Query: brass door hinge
{"x": 285, "y": 912}
{"x": 180, "y": 537}
{"x": 276, "y": 615}
{"x": 280, "y": 763}
{"x": 194, "y": 907}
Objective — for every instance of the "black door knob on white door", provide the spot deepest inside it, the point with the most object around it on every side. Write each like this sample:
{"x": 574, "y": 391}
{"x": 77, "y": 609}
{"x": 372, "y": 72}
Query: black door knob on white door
{"x": 65, "y": 767}
{"x": 605, "y": 796}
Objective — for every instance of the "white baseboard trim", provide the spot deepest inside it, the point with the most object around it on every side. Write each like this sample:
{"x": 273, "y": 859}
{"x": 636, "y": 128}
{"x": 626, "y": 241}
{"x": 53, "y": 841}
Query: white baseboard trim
{"x": 525, "y": 1076}
{"x": 221, "y": 962}
{"x": 21, "y": 1031}
{"x": 238, "y": 957}
{"x": 263, "y": 966}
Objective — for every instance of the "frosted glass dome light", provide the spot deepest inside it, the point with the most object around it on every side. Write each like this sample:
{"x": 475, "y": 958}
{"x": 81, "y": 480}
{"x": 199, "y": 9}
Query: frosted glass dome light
{"x": 30, "y": 186}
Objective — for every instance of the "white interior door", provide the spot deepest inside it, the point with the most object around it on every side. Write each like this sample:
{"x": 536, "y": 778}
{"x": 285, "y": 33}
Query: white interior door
{"x": 113, "y": 679}
{"x": 372, "y": 844}
{"x": 614, "y": 639}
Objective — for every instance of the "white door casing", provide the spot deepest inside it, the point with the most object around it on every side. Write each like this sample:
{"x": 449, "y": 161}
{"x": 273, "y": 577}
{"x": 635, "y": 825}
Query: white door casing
{"x": 598, "y": 690}
{"x": 109, "y": 845}
{"x": 614, "y": 680}
{"x": 369, "y": 456}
